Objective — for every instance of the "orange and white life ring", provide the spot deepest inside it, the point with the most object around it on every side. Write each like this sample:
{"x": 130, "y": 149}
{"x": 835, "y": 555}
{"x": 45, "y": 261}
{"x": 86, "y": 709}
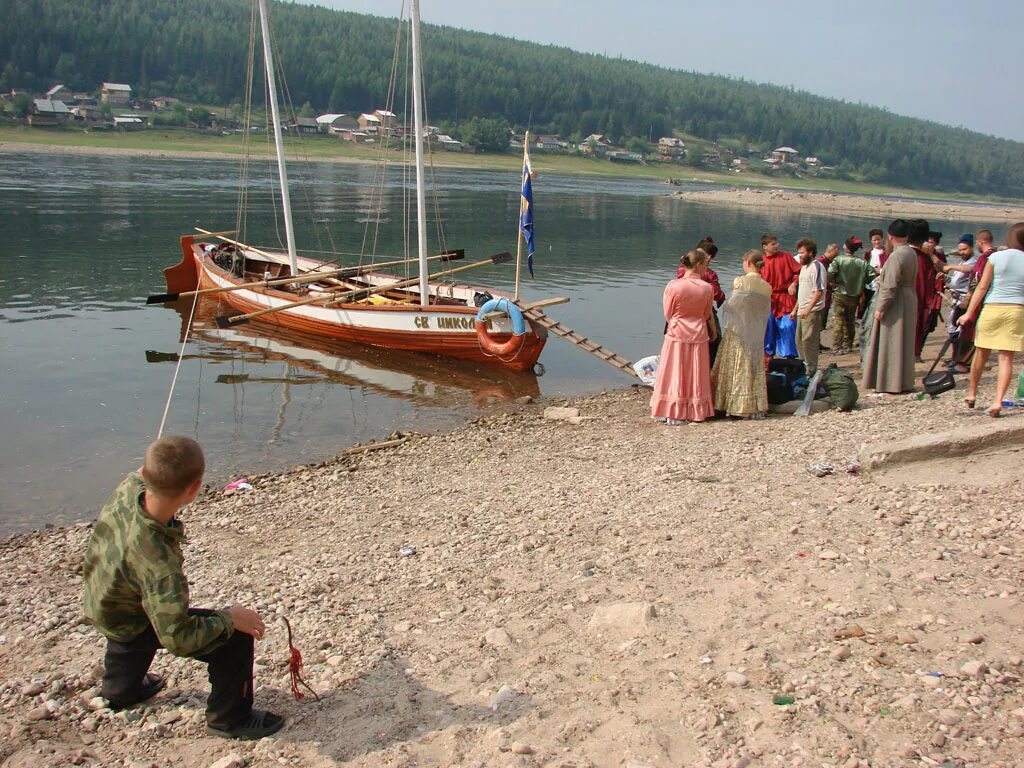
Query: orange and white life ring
{"x": 510, "y": 347}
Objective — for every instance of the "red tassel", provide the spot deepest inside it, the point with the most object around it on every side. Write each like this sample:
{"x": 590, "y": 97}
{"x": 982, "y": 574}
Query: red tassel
{"x": 295, "y": 667}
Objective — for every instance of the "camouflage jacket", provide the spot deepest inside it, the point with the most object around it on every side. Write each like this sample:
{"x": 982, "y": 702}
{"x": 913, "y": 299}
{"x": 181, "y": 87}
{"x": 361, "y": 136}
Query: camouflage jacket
{"x": 134, "y": 578}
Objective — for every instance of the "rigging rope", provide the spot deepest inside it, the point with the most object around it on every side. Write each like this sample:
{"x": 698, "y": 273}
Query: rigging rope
{"x": 181, "y": 355}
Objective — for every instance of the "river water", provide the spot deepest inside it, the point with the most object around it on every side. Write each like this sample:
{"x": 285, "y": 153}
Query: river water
{"x": 87, "y": 366}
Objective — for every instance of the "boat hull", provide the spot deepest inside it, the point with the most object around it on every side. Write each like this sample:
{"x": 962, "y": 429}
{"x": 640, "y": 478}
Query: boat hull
{"x": 445, "y": 330}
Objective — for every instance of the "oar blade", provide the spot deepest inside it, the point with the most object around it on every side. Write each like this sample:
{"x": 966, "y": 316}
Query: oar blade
{"x": 230, "y": 321}
{"x": 501, "y": 258}
{"x": 456, "y": 255}
{"x": 162, "y": 298}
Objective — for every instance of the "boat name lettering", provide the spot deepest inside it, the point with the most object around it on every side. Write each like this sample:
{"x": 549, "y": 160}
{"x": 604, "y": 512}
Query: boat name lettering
{"x": 455, "y": 323}
{"x": 422, "y": 322}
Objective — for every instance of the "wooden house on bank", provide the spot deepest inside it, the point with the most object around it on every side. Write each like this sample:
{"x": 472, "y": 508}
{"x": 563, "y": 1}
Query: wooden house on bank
{"x": 48, "y": 113}
{"x": 115, "y": 93}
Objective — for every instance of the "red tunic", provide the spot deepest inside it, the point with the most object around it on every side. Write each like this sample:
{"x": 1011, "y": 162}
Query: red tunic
{"x": 780, "y": 272}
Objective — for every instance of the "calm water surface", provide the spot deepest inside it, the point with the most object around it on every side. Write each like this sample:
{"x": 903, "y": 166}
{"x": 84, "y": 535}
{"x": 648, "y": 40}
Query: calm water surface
{"x": 87, "y": 366}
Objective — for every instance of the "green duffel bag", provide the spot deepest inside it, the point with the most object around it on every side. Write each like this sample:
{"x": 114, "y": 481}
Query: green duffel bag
{"x": 841, "y": 387}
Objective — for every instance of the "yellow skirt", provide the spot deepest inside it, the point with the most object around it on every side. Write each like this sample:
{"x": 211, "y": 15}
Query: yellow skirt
{"x": 1001, "y": 327}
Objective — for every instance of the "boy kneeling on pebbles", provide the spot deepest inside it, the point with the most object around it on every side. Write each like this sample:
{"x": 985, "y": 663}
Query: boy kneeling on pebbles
{"x": 136, "y": 595}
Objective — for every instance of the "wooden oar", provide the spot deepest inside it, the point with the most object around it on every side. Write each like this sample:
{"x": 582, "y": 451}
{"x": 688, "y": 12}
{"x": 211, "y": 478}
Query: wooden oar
{"x": 227, "y": 321}
{"x": 309, "y": 277}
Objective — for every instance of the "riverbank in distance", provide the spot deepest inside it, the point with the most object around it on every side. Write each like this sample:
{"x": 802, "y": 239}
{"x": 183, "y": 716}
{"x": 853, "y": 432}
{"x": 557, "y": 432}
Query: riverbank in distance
{"x": 868, "y": 206}
{"x": 189, "y": 144}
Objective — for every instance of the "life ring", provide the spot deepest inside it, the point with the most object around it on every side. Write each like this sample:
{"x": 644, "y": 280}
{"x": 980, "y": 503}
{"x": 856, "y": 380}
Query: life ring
{"x": 512, "y": 346}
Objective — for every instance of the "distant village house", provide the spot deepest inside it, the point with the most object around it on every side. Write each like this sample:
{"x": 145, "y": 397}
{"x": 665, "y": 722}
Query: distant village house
{"x": 369, "y": 123}
{"x": 302, "y": 125}
{"x": 595, "y": 144}
{"x": 671, "y": 147}
{"x": 130, "y": 122}
{"x": 88, "y": 113}
{"x": 161, "y": 103}
{"x": 48, "y": 112}
{"x": 551, "y": 144}
{"x": 448, "y": 144}
{"x": 785, "y": 155}
{"x": 335, "y": 122}
{"x": 115, "y": 93}
{"x": 59, "y": 93}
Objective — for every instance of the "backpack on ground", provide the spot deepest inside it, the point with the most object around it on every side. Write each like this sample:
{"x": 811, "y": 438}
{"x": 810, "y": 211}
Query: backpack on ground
{"x": 841, "y": 387}
{"x": 783, "y": 377}
{"x": 780, "y": 390}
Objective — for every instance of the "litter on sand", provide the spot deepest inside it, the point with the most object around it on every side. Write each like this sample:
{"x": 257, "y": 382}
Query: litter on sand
{"x": 241, "y": 484}
{"x": 820, "y": 470}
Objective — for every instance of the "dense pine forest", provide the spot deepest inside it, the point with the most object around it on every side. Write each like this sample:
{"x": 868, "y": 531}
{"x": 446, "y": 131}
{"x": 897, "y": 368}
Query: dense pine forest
{"x": 337, "y": 61}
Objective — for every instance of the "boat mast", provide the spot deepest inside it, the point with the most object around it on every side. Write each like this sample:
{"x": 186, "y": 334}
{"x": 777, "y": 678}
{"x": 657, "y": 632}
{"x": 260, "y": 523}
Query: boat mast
{"x": 417, "y": 121}
{"x": 282, "y": 171}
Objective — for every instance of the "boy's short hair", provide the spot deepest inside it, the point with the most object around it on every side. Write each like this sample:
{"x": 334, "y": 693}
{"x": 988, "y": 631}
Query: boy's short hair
{"x": 984, "y": 235}
{"x": 768, "y": 237}
{"x": 874, "y": 232}
{"x": 173, "y": 464}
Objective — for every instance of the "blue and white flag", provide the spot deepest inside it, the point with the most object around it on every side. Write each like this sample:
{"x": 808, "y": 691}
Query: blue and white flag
{"x": 526, "y": 209}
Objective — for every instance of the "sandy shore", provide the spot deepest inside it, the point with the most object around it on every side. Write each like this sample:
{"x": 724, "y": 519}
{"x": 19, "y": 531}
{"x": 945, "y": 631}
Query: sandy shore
{"x": 62, "y": 149}
{"x": 605, "y": 591}
{"x": 825, "y": 203}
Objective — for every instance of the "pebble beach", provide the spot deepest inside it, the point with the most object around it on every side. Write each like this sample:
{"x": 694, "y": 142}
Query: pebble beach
{"x": 575, "y": 588}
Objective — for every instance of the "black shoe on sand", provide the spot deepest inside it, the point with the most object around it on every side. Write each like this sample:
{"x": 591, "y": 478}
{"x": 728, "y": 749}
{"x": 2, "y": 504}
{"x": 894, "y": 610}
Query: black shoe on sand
{"x": 150, "y": 687}
{"x": 258, "y": 725}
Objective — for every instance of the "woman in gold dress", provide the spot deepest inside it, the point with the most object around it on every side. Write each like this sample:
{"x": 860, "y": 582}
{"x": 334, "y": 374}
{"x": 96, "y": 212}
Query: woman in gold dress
{"x": 738, "y": 379}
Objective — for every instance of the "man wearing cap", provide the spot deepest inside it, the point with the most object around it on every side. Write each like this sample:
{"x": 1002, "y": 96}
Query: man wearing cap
{"x": 889, "y": 358}
{"x": 848, "y": 274}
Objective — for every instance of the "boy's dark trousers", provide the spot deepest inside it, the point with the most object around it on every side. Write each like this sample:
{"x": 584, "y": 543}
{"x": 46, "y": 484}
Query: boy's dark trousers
{"x": 229, "y": 668}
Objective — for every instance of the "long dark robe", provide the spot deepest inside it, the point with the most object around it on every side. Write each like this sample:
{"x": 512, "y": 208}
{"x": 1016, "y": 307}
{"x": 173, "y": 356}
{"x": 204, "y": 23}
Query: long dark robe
{"x": 924, "y": 287}
{"x": 889, "y": 361}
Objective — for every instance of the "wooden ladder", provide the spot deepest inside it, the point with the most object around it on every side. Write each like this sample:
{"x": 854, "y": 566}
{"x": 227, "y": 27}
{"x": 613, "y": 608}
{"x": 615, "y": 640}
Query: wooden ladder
{"x": 536, "y": 315}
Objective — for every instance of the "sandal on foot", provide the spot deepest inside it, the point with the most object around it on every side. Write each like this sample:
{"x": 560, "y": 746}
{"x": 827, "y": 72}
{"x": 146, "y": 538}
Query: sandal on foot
{"x": 969, "y": 401}
{"x": 258, "y": 725}
{"x": 151, "y": 685}
{"x": 995, "y": 413}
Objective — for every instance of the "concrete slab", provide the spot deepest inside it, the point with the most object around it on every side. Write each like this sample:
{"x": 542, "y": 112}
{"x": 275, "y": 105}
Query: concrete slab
{"x": 981, "y": 436}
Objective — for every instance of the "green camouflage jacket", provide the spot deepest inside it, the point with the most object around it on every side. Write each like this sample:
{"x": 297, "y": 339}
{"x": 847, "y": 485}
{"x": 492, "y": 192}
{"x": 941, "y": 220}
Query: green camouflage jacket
{"x": 133, "y": 578}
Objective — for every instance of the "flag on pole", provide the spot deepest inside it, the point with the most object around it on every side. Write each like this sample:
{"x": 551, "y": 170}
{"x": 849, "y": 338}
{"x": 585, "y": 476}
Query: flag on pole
{"x": 526, "y": 208}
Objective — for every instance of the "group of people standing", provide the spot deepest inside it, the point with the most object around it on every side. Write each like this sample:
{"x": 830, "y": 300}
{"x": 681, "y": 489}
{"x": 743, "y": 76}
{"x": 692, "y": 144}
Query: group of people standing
{"x": 889, "y": 298}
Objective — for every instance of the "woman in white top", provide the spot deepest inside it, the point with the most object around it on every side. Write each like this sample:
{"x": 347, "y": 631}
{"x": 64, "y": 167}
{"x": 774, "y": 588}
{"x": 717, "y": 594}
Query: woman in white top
{"x": 1001, "y": 322}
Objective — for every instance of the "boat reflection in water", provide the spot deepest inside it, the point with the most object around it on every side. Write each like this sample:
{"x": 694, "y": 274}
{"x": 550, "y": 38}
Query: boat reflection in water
{"x": 423, "y": 380}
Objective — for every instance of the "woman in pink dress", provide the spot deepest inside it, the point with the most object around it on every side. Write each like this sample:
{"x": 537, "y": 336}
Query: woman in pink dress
{"x": 682, "y": 387}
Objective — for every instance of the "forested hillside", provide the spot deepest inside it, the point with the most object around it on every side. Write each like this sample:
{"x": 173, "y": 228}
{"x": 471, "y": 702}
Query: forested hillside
{"x": 196, "y": 49}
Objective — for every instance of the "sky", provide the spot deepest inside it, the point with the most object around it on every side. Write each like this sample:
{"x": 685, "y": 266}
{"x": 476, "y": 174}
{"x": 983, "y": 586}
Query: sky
{"x": 951, "y": 61}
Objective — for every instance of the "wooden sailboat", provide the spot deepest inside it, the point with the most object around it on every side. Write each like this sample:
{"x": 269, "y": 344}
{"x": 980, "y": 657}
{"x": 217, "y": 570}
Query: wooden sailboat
{"x": 366, "y": 307}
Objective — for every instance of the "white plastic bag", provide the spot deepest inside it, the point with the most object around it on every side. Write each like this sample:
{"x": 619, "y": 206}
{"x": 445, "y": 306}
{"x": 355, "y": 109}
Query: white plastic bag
{"x": 647, "y": 369}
